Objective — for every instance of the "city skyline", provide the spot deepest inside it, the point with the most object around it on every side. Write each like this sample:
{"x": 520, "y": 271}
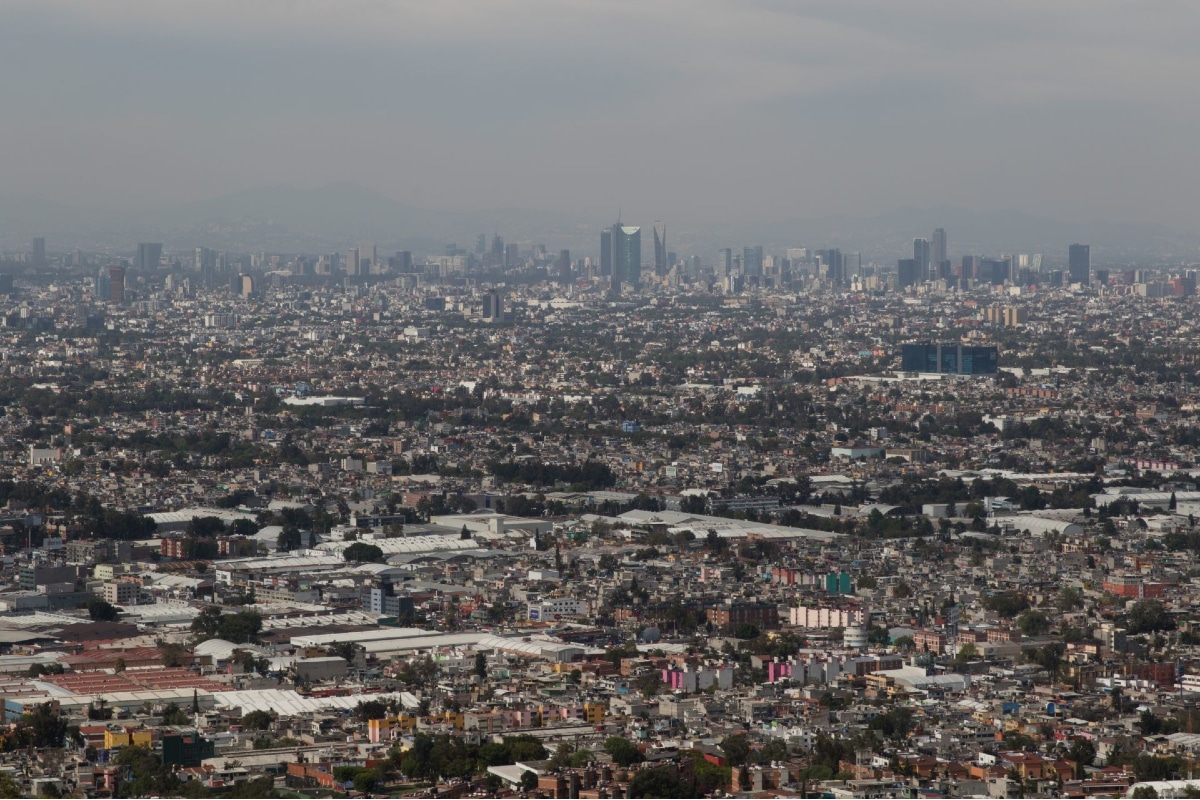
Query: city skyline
{"x": 364, "y": 433}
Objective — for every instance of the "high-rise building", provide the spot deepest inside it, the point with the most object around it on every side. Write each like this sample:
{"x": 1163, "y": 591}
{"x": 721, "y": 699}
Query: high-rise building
{"x": 564, "y": 266}
{"x": 245, "y": 285}
{"x": 353, "y": 261}
{"x": 994, "y": 270}
{"x": 148, "y": 255}
{"x": 661, "y": 264}
{"x": 969, "y": 268}
{"x": 831, "y": 266}
{"x": 116, "y": 283}
{"x": 205, "y": 260}
{"x": 606, "y": 252}
{"x": 1079, "y": 264}
{"x": 851, "y": 265}
{"x": 404, "y": 261}
{"x": 481, "y": 244}
{"x": 626, "y": 255}
{"x": 724, "y": 262}
{"x": 102, "y": 287}
{"x": 39, "y": 251}
{"x": 937, "y": 248}
{"x": 906, "y": 273}
{"x": 493, "y": 306}
{"x": 752, "y": 261}
{"x": 370, "y": 257}
{"x": 921, "y": 255}
{"x": 512, "y": 254}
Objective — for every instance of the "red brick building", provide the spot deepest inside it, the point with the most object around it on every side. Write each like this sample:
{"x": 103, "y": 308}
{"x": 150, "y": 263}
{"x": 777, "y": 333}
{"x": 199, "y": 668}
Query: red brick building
{"x": 728, "y": 616}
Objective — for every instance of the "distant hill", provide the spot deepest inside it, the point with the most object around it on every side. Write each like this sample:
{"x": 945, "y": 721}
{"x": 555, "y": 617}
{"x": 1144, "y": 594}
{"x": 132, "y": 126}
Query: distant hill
{"x": 330, "y": 218}
{"x": 889, "y": 235}
{"x": 281, "y": 218}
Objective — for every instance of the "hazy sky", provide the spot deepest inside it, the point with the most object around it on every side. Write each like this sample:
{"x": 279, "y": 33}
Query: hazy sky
{"x": 671, "y": 109}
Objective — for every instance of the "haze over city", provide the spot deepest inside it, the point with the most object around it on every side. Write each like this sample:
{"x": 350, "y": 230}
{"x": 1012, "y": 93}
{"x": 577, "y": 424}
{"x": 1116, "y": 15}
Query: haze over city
{"x": 728, "y": 116}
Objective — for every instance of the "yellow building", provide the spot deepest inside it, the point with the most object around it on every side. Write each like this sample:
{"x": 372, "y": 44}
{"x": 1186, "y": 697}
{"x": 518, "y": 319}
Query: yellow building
{"x": 128, "y": 738}
{"x": 382, "y": 730}
{"x": 593, "y": 713}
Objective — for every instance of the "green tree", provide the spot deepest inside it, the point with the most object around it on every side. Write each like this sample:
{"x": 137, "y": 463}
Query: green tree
{"x": 736, "y": 749}
{"x": 240, "y": 628}
{"x": 745, "y": 630}
{"x": 47, "y": 727}
{"x": 370, "y": 709}
{"x": 1148, "y": 616}
{"x": 206, "y": 623}
{"x": 102, "y": 611}
{"x": 172, "y": 654}
{"x": 1007, "y": 604}
{"x": 709, "y": 777}
{"x": 257, "y": 720}
{"x": 659, "y": 782}
{"x": 1033, "y": 623}
{"x": 260, "y": 787}
{"x": 1083, "y": 753}
{"x": 172, "y": 714}
{"x": 966, "y": 654}
{"x": 362, "y": 552}
{"x": 529, "y": 780}
{"x": 623, "y": 752}
{"x": 1148, "y": 724}
{"x": 562, "y": 757}
{"x": 896, "y": 723}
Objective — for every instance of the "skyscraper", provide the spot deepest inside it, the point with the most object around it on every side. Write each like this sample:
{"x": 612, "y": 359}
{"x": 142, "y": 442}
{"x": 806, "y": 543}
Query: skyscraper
{"x": 851, "y": 265}
{"x": 660, "y": 249}
{"x": 39, "y": 251}
{"x": 493, "y": 306}
{"x": 353, "y": 261}
{"x": 606, "y": 252}
{"x": 831, "y": 266}
{"x": 148, "y": 255}
{"x": 937, "y": 249}
{"x": 102, "y": 288}
{"x": 205, "y": 259}
{"x": 939, "y": 256}
{"x": 752, "y": 261}
{"x": 116, "y": 283}
{"x": 1079, "y": 264}
{"x": 724, "y": 262}
{"x": 626, "y": 255}
{"x": 564, "y": 266}
{"x": 921, "y": 256}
